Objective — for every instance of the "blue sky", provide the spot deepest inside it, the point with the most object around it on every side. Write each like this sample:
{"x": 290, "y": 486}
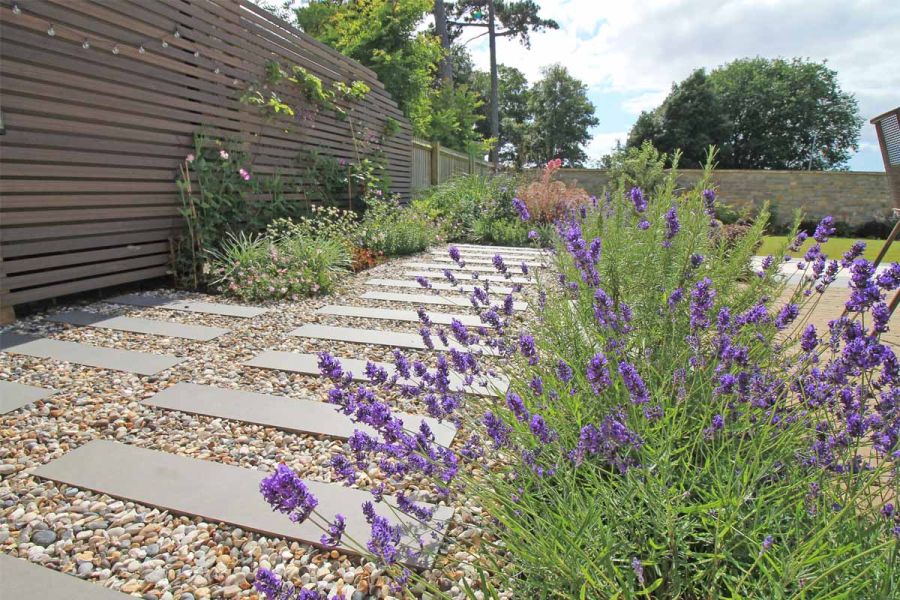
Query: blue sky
{"x": 629, "y": 52}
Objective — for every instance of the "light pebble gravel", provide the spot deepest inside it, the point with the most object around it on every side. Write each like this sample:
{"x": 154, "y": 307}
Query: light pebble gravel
{"x": 157, "y": 555}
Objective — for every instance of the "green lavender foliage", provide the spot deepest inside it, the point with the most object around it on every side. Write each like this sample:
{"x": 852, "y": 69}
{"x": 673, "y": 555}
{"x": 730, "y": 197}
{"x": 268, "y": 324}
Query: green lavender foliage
{"x": 692, "y": 517}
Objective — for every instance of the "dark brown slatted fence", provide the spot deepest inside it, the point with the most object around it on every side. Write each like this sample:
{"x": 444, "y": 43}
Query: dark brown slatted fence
{"x": 94, "y": 135}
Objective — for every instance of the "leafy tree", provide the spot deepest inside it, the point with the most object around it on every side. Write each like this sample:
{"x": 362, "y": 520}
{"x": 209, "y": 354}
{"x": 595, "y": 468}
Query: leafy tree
{"x": 691, "y": 118}
{"x": 761, "y": 113}
{"x": 386, "y": 36}
{"x": 516, "y": 19}
{"x": 562, "y": 117}
{"x": 514, "y": 115}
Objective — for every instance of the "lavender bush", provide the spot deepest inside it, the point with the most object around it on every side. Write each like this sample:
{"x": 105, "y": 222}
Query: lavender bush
{"x": 671, "y": 431}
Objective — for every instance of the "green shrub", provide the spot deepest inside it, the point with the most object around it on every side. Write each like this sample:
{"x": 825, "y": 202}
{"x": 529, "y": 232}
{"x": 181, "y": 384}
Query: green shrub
{"x": 254, "y": 267}
{"x": 392, "y": 229}
{"x": 456, "y": 205}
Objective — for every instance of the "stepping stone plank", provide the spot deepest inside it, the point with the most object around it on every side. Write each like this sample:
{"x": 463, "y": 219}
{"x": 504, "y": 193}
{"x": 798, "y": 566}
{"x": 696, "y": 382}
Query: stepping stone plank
{"x": 200, "y": 333}
{"x": 22, "y": 579}
{"x": 209, "y": 308}
{"x": 140, "y": 363}
{"x": 461, "y": 271}
{"x": 289, "y": 414}
{"x": 446, "y": 261}
{"x": 14, "y": 396}
{"x": 498, "y": 248}
{"x": 393, "y": 314}
{"x": 491, "y": 278}
{"x": 461, "y": 301}
{"x": 378, "y": 337}
{"x": 225, "y": 493}
{"x": 437, "y": 283}
{"x": 308, "y": 364}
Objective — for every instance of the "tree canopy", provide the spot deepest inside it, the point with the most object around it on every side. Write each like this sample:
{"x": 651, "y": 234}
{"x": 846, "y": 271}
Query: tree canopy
{"x": 562, "y": 116}
{"x": 761, "y": 113}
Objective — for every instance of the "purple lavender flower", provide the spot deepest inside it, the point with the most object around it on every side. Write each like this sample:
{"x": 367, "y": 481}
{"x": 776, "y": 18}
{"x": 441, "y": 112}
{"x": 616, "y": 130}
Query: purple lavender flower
{"x": 786, "y": 315}
{"x": 638, "y": 569}
{"x": 673, "y": 226}
{"x": 633, "y": 383}
{"x": 855, "y": 251}
{"x": 524, "y": 268}
{"x": 423, "y": 317}
{"x": 825, "y": 229}
{"x": 643, "y": 225}
{"x": 423, "y": 282}
{"x": 499, "y": 264}
{"x": 496, "y": 429}
{"x": 384, "y": 538}
{"x": 453, "y": 251}
{"x": 448, "y": 274}
{"x": 508, "y": 305}
{"x": 675, "y": 297}
{"x": 335, "y": 532}
{"x": 533, "y": 235}
{"x": 329, "y": 366}
{"x": 286, "y": 493}
{"x": 537, "y": 385}
{"x": 809, "y": 339}
{"x": 696, "y": 260}
{"x": 798, "y": 241}
{"x": 520, "y": 208}
{"x": 516, "y": 405}
{"x": 767, "y": 543}
{"x": 637, "y": 198}
{"x": 564, "y": 371}
{"x": 273, "y": 588}
{"x": 715, "y": 425}
{"x": 527, "y": 348}
{"x": 709, "y": 201}
{"x": 702, "y": 298}
{"x": 597, "y": 373}
{"x": 540, "y": 429}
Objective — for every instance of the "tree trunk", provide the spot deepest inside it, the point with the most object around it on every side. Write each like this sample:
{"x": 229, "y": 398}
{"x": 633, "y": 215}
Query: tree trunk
{"x": 445, "y": 68}
{"x": 495, "y": 95}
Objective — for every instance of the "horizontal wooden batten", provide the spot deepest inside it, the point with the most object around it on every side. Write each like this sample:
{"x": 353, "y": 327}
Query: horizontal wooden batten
{"x": 94, "y": 135}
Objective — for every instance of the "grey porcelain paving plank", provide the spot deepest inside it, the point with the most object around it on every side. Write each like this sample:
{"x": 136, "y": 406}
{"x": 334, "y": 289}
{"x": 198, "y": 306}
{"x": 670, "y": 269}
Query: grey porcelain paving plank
{"x": 437, "y": 283}
{"x": 393, "y": 314}
{"x": 20, "y": 580}
{"x": 308, "y": 364}
{"x": 514, "y": 268}
{"x": 491, "y": 278}
{"x": 289, "y": 414}
{"x": 210, "y": 308}
{"x": 379, "y": 337}
{"x": 14, "y": 395}
{"x": 460, "y": 301}
{"x": 497, "y": 248}
{"x": 445, "y": 261}
{"x": 199, "y": 333}
{"x": 218, "y": 492}
{"x": 92, "y": 356}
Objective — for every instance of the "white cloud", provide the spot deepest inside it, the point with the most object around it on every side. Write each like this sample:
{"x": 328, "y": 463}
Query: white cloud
{"x": 640, "y": 48}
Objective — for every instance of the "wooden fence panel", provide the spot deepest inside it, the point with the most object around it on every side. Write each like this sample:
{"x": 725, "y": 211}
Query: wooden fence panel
{"x": 432, "y": 164}
{"x": 100, "y": 100}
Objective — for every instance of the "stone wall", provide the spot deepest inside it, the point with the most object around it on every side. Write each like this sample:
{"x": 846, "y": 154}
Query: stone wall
{"x": 853, "y": 197}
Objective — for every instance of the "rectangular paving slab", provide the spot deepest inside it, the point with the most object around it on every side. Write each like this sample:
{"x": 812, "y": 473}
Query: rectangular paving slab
{"x": 437, "y": 283}
{"x": 14, "y": 395}
{"x": 152, "y": 327}
{"x": 92, "y": 356}
{"x": 20, "y": 580}
{"x": 308, "y": 364}
{"x": 379, "y": 337}
{"x": 433, "y": 275}
{"x": 393, "y": 314}
{"x": 464, "y": 271}
{"x": 210, "y": 308}
{"x": 224, "y": 493}
{"x": 289, "y": 414}
{"x": 443, "y": 259}
{"x": 460, "y": 301}
{"x": 498, "y": 248}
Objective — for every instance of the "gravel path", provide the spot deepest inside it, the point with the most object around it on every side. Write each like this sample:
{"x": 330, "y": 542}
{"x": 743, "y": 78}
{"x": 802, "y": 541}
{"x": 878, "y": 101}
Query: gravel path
{"x": 156, "y": 555}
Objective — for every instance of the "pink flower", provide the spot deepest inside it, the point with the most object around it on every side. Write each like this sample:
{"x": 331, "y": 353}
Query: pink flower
{"x": 244, "y": 174}
{"x": 223, "y": 154}
{"x": 189, "y": 158}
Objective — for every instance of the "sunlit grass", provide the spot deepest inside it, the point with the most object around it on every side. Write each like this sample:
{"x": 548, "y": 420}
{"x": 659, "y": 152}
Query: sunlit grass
{"x": 834, "y": 247}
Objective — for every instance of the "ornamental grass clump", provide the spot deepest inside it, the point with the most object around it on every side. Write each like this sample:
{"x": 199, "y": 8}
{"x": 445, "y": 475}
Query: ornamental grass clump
{"x": 672, "y": 428}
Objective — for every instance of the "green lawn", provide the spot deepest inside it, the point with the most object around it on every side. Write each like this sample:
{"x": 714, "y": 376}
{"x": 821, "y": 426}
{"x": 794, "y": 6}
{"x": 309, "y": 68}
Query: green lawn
{"x": 834, "y": 247}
